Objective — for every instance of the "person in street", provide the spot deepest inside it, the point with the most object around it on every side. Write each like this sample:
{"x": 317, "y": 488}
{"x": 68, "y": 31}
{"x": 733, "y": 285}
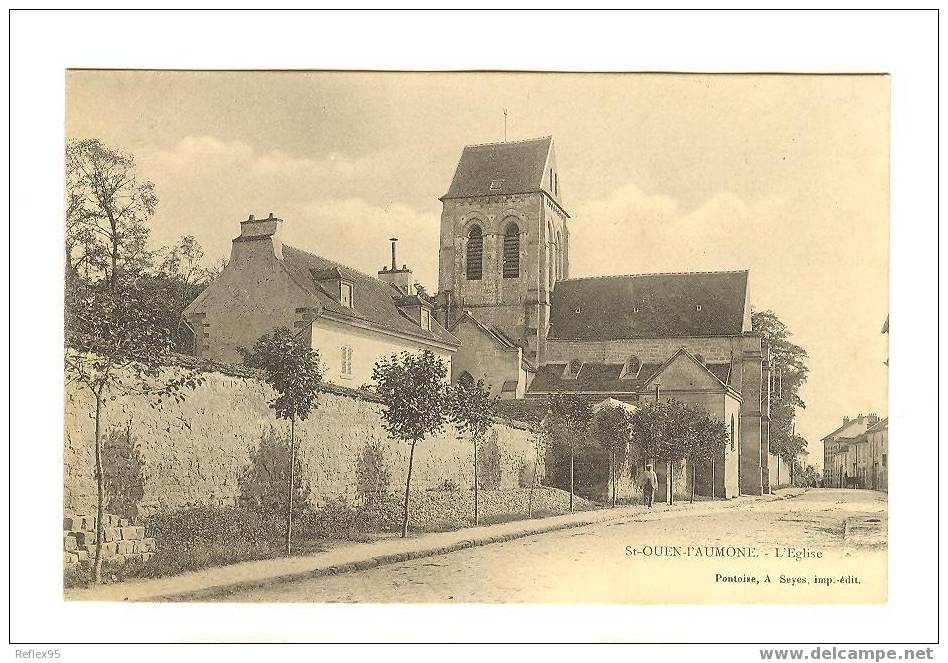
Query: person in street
{"x": 649, "y": 483}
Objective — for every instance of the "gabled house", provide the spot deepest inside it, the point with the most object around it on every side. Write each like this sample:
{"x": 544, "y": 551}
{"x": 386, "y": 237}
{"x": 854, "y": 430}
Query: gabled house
{"x": 351, "y": 318}
{"x": 489, "y": 354}
{"x": 842, "y": 453}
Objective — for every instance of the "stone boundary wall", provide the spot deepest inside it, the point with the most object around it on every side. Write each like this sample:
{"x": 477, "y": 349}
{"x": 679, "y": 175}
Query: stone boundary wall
{"x": 223, "y": 447}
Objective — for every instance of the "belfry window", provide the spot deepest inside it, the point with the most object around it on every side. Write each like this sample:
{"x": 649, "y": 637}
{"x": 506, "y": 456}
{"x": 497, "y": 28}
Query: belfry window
{"x": 512, "y": 252}
{"x": 475, "y": 254}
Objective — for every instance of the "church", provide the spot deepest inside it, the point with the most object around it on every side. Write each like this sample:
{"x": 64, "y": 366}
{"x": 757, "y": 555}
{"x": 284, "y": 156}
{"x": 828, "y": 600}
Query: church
{"x": 529, "y": 330}
{"x": 507, "y": 312}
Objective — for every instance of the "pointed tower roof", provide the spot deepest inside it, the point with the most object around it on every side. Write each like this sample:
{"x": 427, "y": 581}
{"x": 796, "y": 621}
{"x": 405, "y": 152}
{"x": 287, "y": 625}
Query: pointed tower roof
{"x": 501, "y": 168}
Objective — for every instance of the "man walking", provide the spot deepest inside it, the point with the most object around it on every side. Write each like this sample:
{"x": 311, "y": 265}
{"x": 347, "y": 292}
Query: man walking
{"x": 649, "y": 483}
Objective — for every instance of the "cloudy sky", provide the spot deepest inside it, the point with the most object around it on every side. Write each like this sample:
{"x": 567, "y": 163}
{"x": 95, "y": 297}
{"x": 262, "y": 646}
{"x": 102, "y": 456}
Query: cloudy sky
{"x": 784, "y": 175}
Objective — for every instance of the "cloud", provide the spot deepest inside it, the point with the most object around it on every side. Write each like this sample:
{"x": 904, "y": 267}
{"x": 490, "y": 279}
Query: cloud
{"x": 207, "y": 185}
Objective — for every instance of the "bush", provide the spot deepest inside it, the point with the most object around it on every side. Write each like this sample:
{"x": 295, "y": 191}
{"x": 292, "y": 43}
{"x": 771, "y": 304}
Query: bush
{"x": 447, "y": 486}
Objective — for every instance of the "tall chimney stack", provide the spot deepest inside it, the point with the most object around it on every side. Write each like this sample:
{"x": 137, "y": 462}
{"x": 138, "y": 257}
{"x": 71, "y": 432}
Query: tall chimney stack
{"x": 400, "y": 278}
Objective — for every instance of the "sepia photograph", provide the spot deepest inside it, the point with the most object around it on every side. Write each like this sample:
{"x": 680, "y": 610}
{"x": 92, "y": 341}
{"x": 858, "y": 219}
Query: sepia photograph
{"x": 420, "y": 327}
{"x": 372, "y": 337}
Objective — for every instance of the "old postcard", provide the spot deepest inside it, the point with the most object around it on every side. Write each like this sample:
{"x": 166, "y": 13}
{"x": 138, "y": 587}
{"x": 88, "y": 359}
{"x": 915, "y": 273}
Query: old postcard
{"x": 575, "y": 338}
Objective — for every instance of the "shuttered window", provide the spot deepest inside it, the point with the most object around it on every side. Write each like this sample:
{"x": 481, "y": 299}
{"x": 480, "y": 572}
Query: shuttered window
{"x": 475, "y": 254}
{"x": 512, "y": 252}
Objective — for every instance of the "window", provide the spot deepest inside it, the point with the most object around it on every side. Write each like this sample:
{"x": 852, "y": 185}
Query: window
{"x": 633, "y": 365}
{"x": 698, "y": 307}
{"x": 575, "y": 367}
{"x": 345, "y": 295}
{"x": 496, "y": 185}
{"x": 475, "y": 254}
{"x": 636, "y": 309}
{"x": 732, "y": 433}
{"x": 425, "y": 319}
{"x": 556, "y": 184}
{"x": 346, "y": 370}
{"x": 512, "y": 252}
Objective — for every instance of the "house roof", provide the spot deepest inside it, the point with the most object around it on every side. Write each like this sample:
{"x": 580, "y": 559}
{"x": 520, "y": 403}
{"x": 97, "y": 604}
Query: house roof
{"x": 850, "y": 430}
{"x": 598, "y": 377}
{"x": 515, "y": 167}
{"x": 650, "y": 306}
{"x": 495, "y": 334}
{"x": 373, "y": 301}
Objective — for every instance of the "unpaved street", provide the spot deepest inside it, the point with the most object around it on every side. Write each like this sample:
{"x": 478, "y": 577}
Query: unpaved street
{"x": 778, "y": 551}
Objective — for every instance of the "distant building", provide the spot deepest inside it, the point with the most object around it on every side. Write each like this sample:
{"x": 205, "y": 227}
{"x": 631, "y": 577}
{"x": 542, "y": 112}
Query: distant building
{"x": 504, "y": 285}
{"x": 351, "y": 318}
{"x": 846, "y": 453}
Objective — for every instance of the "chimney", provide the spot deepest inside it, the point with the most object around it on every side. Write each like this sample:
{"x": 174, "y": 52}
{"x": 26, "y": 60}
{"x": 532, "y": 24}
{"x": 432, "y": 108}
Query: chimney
{"x": 873, "y": 418}
{"x": 845, "y": 420}
{"x": 254, "y": 232}
{"x": 400, "y": 278}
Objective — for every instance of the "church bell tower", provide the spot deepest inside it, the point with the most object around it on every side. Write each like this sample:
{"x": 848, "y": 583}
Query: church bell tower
{"x": 504, "y": 240}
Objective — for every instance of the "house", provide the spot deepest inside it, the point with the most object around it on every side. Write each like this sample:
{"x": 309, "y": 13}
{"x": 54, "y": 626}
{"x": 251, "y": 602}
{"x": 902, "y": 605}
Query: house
{"x": 504, "y": 271}
{"x": 845, "y": 451}
{"x": 352, "y": 319}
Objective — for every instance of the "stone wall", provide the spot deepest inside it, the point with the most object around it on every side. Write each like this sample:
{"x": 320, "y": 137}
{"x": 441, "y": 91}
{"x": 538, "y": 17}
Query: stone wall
{"x": 223, "y": 447}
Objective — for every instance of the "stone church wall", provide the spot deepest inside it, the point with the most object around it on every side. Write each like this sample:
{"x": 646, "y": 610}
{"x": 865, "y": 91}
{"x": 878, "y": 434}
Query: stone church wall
{"x": 222, "y": 447}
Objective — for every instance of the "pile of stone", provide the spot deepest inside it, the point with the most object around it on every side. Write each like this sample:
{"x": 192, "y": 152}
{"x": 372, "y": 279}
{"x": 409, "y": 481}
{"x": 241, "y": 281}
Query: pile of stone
{"x": 123, "y": 541}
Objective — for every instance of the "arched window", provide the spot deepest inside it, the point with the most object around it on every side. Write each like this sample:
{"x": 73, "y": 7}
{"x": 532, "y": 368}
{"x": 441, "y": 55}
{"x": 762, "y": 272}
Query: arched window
{"x": 512, "y": 252}
{"x": 466, "y": 378}
{"x": 575, "y": 366}
{"x": 475, "y": 254}
{"x": 732, "y": 433}
{"x": 632, "y": 366}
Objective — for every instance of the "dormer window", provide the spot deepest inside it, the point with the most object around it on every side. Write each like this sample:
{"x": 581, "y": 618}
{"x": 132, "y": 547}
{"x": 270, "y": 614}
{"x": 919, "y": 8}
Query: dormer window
{"x": 345, "y": 294}
{"x": 573, "y": 368}
{"x": 698, "y": 307}
{"x": 496, "y": 185}
{"x": 636, "y": 309}
{"x": 426, "y": 319}
{"x": 633, "y": 365}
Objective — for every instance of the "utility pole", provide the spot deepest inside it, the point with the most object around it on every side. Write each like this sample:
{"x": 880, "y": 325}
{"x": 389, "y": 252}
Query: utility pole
{"x": 505, "y": 125}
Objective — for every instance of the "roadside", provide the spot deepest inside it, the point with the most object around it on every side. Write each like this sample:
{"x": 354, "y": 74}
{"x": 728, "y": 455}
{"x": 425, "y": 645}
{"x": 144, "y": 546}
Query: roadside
{"x": 219, "y": 581}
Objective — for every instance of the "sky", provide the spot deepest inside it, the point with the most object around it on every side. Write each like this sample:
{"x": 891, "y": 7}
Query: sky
{"x": 787, "y": 176}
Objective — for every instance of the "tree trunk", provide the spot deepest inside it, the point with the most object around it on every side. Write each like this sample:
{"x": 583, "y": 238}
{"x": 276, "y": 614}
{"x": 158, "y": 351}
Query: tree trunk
{"x": 536, "y": 469}
{"x": 571, "y": 476}
{"x": 411, "y": 459}
{"x": 289, "y": 496}
{"x": 694, "y": 481}
{"x": 476, "y": 520}
{"x": 615, "y": 472}
{"x": 669, "y": 479}
{"x": 100, "y": 490}
{"x": 712, "y": 479}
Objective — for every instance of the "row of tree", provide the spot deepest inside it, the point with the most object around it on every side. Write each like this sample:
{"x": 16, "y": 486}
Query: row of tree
{"x": 668, "y": 431}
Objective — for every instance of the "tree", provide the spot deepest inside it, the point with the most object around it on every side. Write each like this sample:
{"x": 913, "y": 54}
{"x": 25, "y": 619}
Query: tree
{"x": 472, "y": 412}
{"x": 106, "y": 209}
{"x": 706, "y": 437}
{"x": 610, "y": 427}
{"x": 115, "y": 345}
{"x": 416, "y": 402}
{"x": 788, "y": 374}
{"x": 674, "y": 431}
{"x": 568, "y": 421}
{"x": 291, "y": 368}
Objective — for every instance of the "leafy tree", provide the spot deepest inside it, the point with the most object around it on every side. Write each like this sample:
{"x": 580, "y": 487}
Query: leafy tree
{"x": 115, "y": 344}
{"x": 417, "y": 402}
{"x": 181, "y": 274}
{"x": 789, "y": 372}
{"x": 568, "y": 421}
{"x": 673, "y": 431}
{"x": 106, "y": 210}
{"x": 706, "y": 437}
{"x": 291, "y": 368}
{"x": 472, "y": 412}
{"x": 611, "y": 428}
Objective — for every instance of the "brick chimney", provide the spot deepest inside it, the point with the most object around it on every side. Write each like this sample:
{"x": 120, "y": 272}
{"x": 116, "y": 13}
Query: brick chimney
{"x": 400, "y": 278}
{"x": 845, "y": 420}
{"x": 254, "y": 232}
